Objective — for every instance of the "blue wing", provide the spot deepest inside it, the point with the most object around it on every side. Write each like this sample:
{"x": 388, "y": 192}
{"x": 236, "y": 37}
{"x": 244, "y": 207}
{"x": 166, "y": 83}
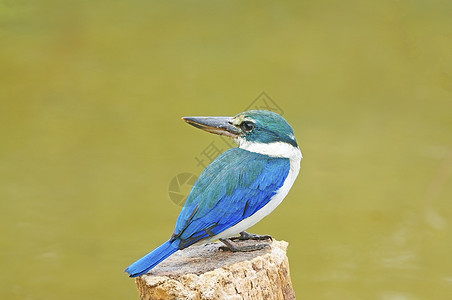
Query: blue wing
{"x": 232, "y": 188}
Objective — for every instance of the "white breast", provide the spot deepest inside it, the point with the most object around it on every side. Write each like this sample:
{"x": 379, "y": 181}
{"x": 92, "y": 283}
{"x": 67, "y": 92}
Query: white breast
{"x": 277, "y": 149}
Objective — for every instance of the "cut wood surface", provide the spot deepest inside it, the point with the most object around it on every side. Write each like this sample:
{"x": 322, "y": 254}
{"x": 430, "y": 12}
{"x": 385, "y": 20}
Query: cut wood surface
{"x": 206, "y": 272}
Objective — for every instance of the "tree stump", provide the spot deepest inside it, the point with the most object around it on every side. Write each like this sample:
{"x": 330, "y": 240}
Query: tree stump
{"x": 202, "y": 272}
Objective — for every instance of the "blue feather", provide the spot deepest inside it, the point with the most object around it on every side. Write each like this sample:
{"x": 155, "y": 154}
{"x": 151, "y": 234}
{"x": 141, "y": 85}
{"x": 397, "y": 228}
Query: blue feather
{"x": 144, "y": 264}
{"x": 235, "y": 186}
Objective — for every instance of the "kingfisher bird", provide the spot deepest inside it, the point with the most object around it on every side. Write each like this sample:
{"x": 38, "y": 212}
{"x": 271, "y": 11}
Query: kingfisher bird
{"x": 238, "y": 189}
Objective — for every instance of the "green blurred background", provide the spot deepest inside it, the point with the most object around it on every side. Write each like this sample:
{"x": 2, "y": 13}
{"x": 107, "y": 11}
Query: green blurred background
{"x": 91, "y": 96}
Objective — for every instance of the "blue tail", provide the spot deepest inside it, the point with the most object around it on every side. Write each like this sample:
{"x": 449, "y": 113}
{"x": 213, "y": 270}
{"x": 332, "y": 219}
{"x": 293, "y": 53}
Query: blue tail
{"x": 144, "y": 264}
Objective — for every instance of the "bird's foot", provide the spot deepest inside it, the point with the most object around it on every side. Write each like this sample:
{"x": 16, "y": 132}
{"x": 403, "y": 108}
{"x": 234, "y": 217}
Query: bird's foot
{"x": 233, "y": 247}
{"x": 249, "y": 236}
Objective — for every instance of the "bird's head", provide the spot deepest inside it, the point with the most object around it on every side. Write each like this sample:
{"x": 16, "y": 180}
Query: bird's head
{"x": 249, "y": 128}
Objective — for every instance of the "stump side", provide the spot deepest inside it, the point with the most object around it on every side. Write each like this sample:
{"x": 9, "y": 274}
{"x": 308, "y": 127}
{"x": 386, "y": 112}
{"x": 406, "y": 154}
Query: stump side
{"x": 204, "y": 272}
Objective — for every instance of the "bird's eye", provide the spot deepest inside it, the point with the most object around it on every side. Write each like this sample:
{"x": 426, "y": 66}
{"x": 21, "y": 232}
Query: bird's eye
{"x": 247, "y": 126}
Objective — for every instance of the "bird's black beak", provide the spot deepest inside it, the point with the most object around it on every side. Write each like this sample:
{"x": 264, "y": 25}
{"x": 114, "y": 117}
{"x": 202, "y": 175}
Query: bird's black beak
{"x": 217, "y": 125}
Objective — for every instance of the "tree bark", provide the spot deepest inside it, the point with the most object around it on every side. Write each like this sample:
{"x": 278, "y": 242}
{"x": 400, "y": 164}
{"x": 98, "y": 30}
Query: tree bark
{"x": 202, "y": 272}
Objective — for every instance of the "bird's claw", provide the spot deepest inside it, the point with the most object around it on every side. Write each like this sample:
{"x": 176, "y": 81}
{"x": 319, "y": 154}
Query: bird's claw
{"x": 249, "y": 236}
{"x": 233, "y": 247}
